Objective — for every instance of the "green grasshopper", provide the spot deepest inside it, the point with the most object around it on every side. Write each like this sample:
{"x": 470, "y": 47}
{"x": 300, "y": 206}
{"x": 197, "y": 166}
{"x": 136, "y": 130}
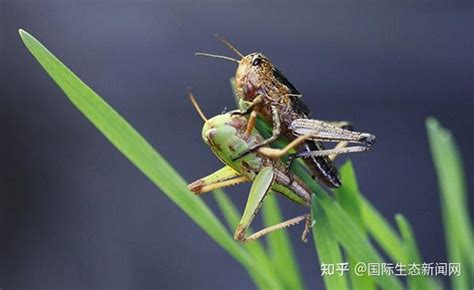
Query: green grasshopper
{"x": 269, "y": 94}
{"x": 230, "y": 134}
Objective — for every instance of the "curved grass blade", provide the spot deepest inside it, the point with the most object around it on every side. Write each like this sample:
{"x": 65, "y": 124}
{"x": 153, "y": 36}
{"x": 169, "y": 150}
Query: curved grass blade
{"x": 232, "y": 217}
{"x": 453, "y": 195}
{"x": 348, "y": 234}
{"x": 348, "y": 197}
{"x": 400, "y": 250}
{"x": 380, "y": 229}
{"x": 353, "y": 240}
{"x": 412, "y": 256}
{"x": 328, "y": 250}
{"x": 279, "y": 246}
{"x": 128, "y": 141}
{"x": 366, "y": 215}
{"x": 346, "y": 231}
{"x": 348, "y": 194}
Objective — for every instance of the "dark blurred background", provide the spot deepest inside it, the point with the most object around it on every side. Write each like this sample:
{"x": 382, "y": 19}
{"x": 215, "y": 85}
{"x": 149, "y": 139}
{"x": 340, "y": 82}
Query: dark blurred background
{"x": 74, "y": 213}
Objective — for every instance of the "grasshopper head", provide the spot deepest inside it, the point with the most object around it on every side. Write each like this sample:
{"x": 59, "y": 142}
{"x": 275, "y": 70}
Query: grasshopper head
{"x": 252, "y": 72}
{"x": 226, "y": 136}
{"x": 223, "y": 131}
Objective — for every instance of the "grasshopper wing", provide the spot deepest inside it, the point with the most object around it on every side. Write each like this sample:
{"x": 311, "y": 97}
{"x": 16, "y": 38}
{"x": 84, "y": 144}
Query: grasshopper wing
{"x": 322, "y": 131}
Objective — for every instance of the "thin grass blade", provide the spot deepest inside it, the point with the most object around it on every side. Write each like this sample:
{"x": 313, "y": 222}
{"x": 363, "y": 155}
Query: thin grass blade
{"x": 348, "y": 197}
{"x": 128, "y": 141}
{"x": 380, "y": 229}
{"x": 353, "y": 240}
{"x": 328, "y": 250}
{"x": 347, "y": 232}
{"x": 279, "y": 246}
{"x": 412, "y": 257}
{"x": 255, "y": 248}
{"x": 453, "y": 195}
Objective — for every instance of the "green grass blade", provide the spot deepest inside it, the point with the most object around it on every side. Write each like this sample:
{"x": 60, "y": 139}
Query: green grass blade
{"x": 128, "y": 141}
{"x": 348, "y": 194}
{"x": 412, "y": 255}
{"x": 453, "y": 193}
{"x": 348, "y": 233}
{"x": 380, "y": 229}
{"x": 327, "y": 248}
{"x": 353, "y": 240}
{"x": 255, "y": 248}
{"x": 348, "y": 197}
{"x": 279, "y": 246}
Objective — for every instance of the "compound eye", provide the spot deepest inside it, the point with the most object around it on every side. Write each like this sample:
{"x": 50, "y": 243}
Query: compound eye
{"x": 210, "y": 136}
{"x": 257, "y": 61}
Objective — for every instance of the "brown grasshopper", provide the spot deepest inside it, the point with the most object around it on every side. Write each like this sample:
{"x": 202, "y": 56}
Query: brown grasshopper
{"x": 266, "y": 92}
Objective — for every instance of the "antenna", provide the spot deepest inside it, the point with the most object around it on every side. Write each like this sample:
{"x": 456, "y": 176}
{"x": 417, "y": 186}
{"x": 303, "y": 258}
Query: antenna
{"x": 196, "y": 105}
{"x": 216, "y": 56}
{"x": 226, "y": 43}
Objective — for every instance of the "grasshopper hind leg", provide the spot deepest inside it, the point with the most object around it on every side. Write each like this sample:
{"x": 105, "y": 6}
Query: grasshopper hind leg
{"x": 260, "y": 188}
{"x": 282, "y": 225}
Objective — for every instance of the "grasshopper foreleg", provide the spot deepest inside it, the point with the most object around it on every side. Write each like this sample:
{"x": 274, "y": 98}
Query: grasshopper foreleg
{"x": 251, "y": 123}
{"x": 275, "y": 134}
{"x": 250, "y": 107}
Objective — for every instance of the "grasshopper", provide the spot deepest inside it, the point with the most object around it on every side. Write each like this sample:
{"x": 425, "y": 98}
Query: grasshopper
{"x": 227, "y": 134}
{"x": 268, "y": 93}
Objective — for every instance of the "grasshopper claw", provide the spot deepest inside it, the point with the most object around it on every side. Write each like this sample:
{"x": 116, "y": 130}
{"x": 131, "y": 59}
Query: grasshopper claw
{"x": 367, "y": 139}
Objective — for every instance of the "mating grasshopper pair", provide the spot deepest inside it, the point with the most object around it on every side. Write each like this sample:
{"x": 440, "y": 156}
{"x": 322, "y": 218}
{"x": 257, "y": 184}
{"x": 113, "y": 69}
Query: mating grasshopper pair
{"x": 229, "y": 135}
{"x": 264, "y": 91}
{"x": 271, "y": 96}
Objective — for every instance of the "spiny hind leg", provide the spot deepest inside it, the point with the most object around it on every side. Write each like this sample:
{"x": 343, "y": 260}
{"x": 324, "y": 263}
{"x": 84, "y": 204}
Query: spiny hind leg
{"x": 343, "y": 125}
{"x": 321, "y": 131}
{"x": 259, "y": 191}
{"x": 331, "y": 152}
{"x": 342, "y": 144}
{"x": 276, "y": 153}
{"x": 340, "y": 124}
{"x": 282, "y": 225}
